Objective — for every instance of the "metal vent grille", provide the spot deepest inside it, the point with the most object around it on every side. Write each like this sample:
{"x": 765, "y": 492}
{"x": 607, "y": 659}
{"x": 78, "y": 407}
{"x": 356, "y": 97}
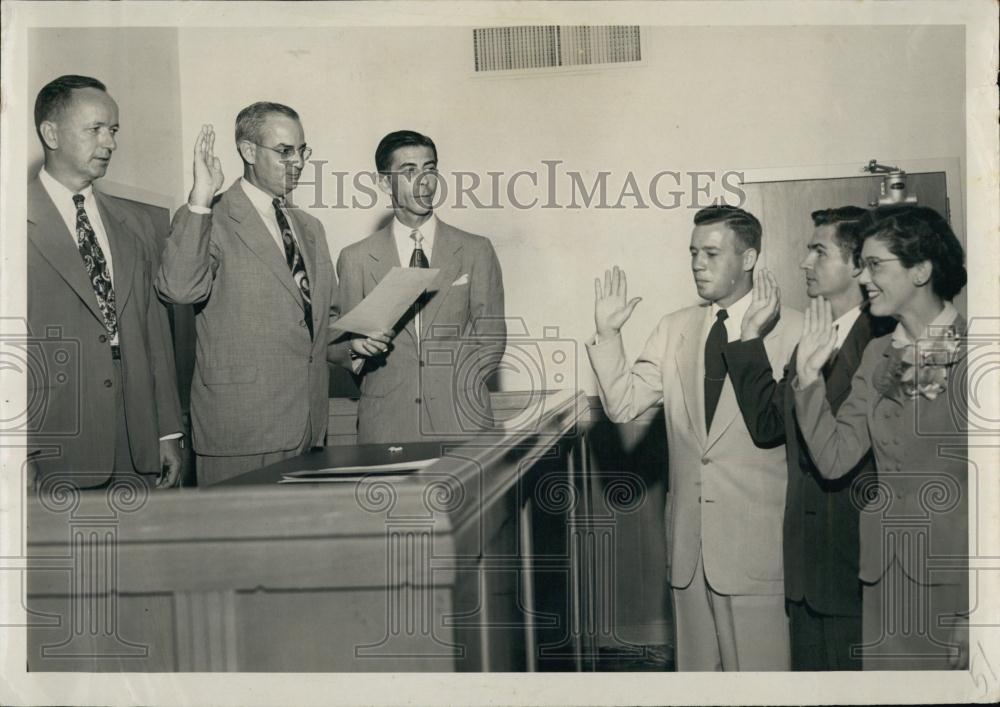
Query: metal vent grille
{"x": 549, "y": 46}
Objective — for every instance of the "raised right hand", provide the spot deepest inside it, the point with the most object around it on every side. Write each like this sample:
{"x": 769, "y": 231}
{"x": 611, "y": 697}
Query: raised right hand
{"x": 612, "y": 308}
{"x": 817, "y": 342}
{"x": 208, "y": 175}
{"x": 764, "y": 306}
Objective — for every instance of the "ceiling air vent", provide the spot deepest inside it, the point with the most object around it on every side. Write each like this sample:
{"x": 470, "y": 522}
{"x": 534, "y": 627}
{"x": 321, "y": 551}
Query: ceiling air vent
{"x": 553, "y": 46}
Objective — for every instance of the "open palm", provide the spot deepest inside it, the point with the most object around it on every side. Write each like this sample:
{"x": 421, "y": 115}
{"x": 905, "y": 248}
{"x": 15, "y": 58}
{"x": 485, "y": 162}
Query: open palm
{"x": 612, "y": 308}
{"x": 208, "y": 175}
{"x": 818, "y": 340}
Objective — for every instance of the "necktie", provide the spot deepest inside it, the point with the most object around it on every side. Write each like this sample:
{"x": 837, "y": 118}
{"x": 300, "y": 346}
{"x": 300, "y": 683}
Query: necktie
{"x": 295, "y": 263}
{"x": 418, "y": 259}
{"x": 97, "y": 266}
{"x": 715, "y": 365}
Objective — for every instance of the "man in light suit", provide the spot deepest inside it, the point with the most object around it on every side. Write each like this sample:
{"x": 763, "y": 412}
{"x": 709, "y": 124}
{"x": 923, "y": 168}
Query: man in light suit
{"x": 432, "y": 382}
{"x": 726, "y": 497}
{"x": 91, "y": 262}
{"x": 821, "y": 544}
{"x": 261, "y": 277}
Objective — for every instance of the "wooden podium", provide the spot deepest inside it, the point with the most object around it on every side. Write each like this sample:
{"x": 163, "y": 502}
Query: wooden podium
{"x": 435, "y": 570}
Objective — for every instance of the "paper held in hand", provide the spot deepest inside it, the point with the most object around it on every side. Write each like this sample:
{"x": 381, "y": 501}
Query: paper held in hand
{"x": 390, "y": 299}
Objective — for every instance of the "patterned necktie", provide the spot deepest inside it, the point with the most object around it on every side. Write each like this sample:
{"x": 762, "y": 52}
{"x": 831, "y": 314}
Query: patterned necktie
{"x": 418, "y": 259}
{"x": 715, "y": 365}
{"x": 295, "y": 263}
{"x": 97, "y": 266}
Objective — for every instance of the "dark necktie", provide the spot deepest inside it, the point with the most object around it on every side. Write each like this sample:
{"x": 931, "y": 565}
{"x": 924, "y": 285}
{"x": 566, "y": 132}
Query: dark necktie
{"x": 715, "y": 365}
{"x": 295, "y": 263}
{"x": 97, "y": 266}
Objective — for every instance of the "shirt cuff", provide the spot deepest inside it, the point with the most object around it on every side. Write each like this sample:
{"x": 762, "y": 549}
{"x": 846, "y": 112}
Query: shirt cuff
{"x": 203, "y": 210}
{"x": 175, "y": 435}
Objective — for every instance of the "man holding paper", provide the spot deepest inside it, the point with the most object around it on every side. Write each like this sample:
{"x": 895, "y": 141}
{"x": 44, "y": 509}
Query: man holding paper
{"x": 432, "y": 382}
{"x": 260, "y": 274}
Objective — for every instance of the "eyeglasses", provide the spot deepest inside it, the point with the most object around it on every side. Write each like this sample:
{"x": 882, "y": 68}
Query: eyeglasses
{"x": 873, "y": 265}
{"x": 287, "y": 152}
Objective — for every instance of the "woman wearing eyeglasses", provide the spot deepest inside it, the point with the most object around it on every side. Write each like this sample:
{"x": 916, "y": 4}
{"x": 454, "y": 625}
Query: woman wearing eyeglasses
{"x": 908, "y": 406}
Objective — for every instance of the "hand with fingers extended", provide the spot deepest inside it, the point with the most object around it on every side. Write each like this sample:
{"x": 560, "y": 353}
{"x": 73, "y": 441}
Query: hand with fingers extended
{"x": 817, "y": 343}
{"x": 612, "y": 308}
{"x": 376, "y": 344}
{"x": 765, "y": 305}
{"x": 208, "y": 175}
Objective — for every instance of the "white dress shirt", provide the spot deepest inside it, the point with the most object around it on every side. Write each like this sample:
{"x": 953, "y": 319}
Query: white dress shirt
{"x": 734, "y": 320}
{"x": 63, "y": 200}
{"x": 262, "y": 203}
{"x": 945, "y": 317}
{"x": 844, "y": 324}
{"x": 404, "y": 244}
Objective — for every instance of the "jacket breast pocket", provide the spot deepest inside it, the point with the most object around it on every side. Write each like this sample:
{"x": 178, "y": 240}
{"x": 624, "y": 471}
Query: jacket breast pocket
{"x": 227, "y": 375}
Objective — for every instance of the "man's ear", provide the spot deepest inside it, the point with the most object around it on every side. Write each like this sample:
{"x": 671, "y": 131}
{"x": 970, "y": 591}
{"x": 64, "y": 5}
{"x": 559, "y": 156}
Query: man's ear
{"x": 50, "y": 134}
{"x": 385, "y": 183}
{"x": 248, "y": 151}
{"x": 749, "y": 259}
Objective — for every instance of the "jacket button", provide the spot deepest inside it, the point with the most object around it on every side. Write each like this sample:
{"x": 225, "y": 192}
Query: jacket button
{"x": 704, "y": 461}
{"x": 418, "y": 401}
{"x": 107, "y": 383}
{"x": 422, "y": 364}
{"x": 302, "y": 323}
{"x": 310, "y": 359}
{"x": 102, "y": 338}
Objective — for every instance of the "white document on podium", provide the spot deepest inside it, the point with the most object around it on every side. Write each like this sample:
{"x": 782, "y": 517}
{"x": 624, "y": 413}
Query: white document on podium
{"x": 390, "y": 299}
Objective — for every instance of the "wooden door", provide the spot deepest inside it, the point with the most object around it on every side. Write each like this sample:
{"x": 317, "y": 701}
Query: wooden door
{"x": 784, "y": 209}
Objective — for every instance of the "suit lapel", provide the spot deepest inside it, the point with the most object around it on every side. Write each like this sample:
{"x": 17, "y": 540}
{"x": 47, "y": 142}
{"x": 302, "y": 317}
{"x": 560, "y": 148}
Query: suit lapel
{"x": 251, "y": 230}
{"x": 47, "y": 231}
{"x": 691, "y": 369}
{"x": 847, "y": 359}
{"x": 382, "y": 257}
{"x": 445, "y": 257}
{"x": 123, "y": 250}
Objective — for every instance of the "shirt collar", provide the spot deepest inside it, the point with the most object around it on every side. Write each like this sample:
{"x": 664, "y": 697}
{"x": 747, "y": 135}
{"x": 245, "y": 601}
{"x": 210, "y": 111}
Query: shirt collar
{"x": 261, "y": 200}
{"x": 945, "y": 317}
{"x": 736, "y": 310}
{"x": 844, "y": 324}
{"x": 428, "y": 229}
{"x": 58, "y": 191}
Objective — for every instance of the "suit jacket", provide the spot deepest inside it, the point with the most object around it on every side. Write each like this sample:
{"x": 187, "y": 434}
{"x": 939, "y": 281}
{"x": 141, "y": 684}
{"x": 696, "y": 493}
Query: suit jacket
{"x": 260, "y": 381}
{"x": 917, "y": 515}
{"x": 821, "y": 515}
{"x": 727, "y": 496}
{"x": 433, "y": 385}
{"x": 73, "y": 400}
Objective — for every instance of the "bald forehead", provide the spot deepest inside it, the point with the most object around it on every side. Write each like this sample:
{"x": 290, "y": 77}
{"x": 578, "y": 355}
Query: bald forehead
{"x": 282, "y": 129}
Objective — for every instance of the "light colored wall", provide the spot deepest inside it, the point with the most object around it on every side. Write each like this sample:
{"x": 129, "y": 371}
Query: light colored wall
{"x": 705, "y": 98}
{"x": 139, "y": 67}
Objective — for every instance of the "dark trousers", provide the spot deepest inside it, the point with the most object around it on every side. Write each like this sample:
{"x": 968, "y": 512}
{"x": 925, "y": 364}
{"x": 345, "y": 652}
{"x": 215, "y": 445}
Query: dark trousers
{"x": 821, "y": 641}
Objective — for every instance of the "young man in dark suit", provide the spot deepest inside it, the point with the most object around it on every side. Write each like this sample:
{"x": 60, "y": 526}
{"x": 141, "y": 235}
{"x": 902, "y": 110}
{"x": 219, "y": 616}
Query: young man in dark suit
{"x": 821, "y": 549}
{"x": 91, "y": 263}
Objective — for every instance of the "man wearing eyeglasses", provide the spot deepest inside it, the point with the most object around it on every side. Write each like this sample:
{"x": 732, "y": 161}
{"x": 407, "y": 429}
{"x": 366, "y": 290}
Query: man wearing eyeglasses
{"x": 260, "y": 274}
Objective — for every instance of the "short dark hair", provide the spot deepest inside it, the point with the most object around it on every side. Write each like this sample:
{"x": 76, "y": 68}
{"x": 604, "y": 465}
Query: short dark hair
{"x": 251, "y": 119}
{"x": 395, "y": 140}
{"x": 915, "y": 234}
{"x": 57, "y": 93}
{"x": 742, "y": 223}
{"x": 847, "y": 233}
